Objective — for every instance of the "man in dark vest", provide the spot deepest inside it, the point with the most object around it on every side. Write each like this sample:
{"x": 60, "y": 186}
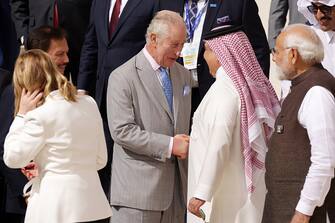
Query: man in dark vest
{"x": 301, "y": 157}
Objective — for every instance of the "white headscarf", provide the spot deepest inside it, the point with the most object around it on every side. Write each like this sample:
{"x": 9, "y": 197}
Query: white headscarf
{"x": 302, "y": 8}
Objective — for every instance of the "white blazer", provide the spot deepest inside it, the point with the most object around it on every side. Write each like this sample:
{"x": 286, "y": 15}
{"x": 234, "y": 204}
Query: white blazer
{"x": 66, "y": 140}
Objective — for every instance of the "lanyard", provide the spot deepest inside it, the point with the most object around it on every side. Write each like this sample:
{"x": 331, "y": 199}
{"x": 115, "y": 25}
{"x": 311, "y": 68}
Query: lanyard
{"x": 191, "y": 27}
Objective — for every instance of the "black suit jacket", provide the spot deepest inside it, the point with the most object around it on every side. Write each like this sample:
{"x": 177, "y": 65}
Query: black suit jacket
{"x": 73, "y": 17}
{"x": 101, "y": 55}
{"x": 8, "y": 43}
{"x": 228, "y": 12}
{"x": 14, "y": 179}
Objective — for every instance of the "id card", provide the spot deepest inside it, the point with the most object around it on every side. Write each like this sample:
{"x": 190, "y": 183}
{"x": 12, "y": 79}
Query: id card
{"x": 190, "y": 55}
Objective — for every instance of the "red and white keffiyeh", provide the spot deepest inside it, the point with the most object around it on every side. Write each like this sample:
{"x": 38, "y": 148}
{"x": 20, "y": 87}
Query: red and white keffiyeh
{"x": 259, "y": 103}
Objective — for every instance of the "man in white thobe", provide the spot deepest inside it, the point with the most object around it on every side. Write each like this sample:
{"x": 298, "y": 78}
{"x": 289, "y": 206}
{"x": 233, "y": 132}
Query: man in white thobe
{"x": 229, "y": 133}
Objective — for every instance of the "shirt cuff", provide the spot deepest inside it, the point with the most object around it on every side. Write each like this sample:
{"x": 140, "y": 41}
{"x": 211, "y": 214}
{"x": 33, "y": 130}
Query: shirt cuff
{"x": 203, "y": 192}
{"x": 19, "y": 118}
{"x": 305, "y": 206}
{"x": 169, "y": 152}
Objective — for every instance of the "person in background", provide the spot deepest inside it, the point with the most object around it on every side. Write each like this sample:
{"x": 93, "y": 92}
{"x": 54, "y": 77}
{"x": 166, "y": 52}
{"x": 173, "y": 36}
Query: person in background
{"x": 71, "y": 15}
{"x": 279, "y": 11}
{"x": 201, "y": 16}
{"x": 54, "y": 42}
{"x": 116, "y": 33}
{"x": 8, "y": 42}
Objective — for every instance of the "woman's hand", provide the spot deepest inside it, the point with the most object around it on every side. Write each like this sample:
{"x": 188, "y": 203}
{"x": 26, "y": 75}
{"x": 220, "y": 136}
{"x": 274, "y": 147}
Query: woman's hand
{"x": 29, "y": 101}
{"x": 30, "y": 171}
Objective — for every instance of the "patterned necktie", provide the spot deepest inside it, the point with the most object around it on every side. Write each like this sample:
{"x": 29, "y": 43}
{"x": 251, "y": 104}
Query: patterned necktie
{"x": 167, "y": 86}
{"x": 115, "y": 17}
{"x": 193, "y": 15}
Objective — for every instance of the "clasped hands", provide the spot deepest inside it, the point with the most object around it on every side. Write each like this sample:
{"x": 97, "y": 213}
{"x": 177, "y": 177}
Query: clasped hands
{"x": 180, "y": 146}
{"x": 30, "y": 171}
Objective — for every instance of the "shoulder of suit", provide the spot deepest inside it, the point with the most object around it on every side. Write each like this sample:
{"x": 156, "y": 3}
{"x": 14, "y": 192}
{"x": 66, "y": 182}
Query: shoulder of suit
{"x": 186, "y": 74}
{"x": 180, "y": 68}
{"x": 127, "y": 67}
{"x": 87, "y": 98}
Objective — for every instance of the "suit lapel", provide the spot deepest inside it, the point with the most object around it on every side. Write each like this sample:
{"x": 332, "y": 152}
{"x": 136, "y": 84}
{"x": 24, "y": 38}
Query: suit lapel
{"x": 211, "y": 14}
{"x": 151, "y": 82}
{"x": 106, "y": 21}
{"x": 126, "y": 12}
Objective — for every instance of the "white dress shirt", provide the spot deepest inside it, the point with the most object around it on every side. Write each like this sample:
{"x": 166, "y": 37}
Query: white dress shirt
{"x": 155, "y": 66}
{"x": 328, "y": 41}
{"x": 316, "y": 114}
{"x": 123, "y": 4}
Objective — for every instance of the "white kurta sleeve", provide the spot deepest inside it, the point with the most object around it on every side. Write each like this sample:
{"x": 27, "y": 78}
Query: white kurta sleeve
{"x": 220, "y": 130}
{"x": 316, "y": 114}
{"x": 23, "y": 141}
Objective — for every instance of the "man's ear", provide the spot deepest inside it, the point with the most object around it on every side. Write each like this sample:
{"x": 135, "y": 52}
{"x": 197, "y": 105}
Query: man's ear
{"x": 293, "y": 54}
{"x": 153, "y": 39}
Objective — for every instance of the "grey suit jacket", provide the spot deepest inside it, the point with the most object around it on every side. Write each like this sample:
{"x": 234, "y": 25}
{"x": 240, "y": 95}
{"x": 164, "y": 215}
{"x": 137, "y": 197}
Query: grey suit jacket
{"x": 141, "y": 124}
{"x": 277, "y": 17}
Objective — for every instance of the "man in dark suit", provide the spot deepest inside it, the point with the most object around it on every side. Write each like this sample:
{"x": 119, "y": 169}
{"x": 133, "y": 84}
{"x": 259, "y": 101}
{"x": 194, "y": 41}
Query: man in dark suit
{"x": 72, "y": 15}
{"x": 8, "y": 44}
{"x": 14, "y": 204}
{"x": 221, "y": 13}
{"x": 116, "y": 33}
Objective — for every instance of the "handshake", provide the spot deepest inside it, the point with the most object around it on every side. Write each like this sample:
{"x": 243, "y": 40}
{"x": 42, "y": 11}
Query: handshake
{"x": 180, "y": 146}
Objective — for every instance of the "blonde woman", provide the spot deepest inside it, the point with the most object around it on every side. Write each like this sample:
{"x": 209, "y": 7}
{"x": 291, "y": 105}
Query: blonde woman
{"x": 62, "y": 132}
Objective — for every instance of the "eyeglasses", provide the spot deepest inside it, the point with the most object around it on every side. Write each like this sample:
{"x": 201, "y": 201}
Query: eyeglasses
{"x": 325, "y": 9}
{"x": 275, "y": 51}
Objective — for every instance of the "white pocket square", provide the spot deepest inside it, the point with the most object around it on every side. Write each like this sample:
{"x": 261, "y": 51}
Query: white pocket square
{"x": 186, "y": 90}
{"x": 224, "y": 19}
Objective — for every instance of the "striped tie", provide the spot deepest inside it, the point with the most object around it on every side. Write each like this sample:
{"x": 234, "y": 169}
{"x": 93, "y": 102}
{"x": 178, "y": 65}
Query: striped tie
{"x": 193, "y": 16}
{"x": 167, "y": 86}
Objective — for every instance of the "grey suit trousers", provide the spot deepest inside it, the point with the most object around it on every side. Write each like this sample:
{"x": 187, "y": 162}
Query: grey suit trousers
{"x": 174, "y": 214}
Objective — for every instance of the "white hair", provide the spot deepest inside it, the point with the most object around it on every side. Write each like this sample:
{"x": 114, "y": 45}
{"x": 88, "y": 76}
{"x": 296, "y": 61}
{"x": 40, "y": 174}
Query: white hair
{"x": 307, "y": 43}
{"x": 162, "y": 21}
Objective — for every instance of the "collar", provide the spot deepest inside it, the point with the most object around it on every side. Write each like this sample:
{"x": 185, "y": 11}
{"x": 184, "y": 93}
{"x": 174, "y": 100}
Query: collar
{"x": 155, "y": 66}
{"x": 306, "y": 74}
{"x": 330, "y": 36}
{"x": 54, "y": 94}
{"x": 220, "y": 73}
